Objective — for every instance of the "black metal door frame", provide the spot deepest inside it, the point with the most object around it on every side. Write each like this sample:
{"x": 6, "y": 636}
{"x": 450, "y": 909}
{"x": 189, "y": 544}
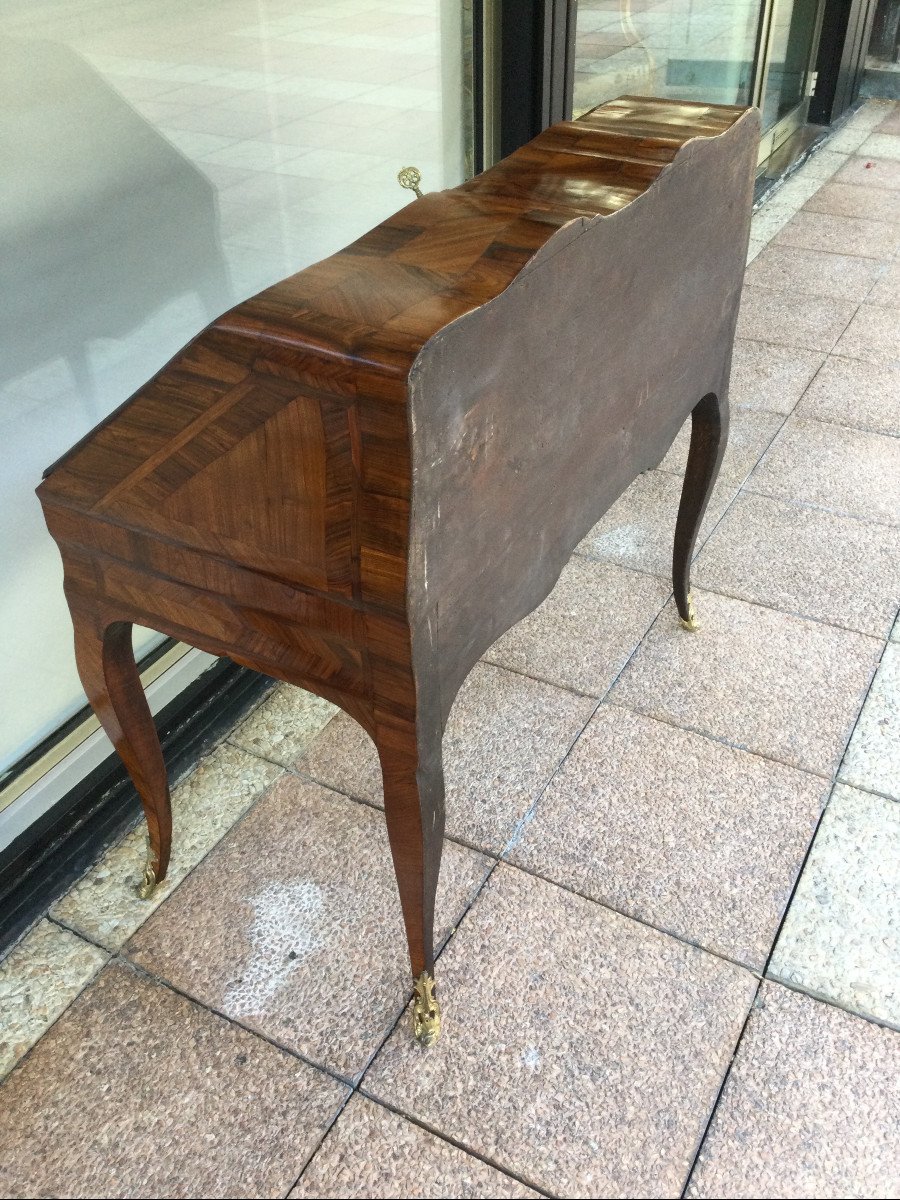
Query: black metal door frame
{"x": 534, "y": 59}
{"x": 846, "y": 29}
{"x": 536, "y": 67}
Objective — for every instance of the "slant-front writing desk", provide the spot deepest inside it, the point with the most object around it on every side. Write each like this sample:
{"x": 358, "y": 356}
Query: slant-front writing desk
{"x": 359, "y": 479}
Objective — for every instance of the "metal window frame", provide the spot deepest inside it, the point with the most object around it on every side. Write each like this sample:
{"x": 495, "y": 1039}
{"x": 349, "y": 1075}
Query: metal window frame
{"x": 59, "y": 825}
{"x": 789, "y": 124}
{"x": 537, "y": 64}
{"x": 165, "y": 659}
{"x": 536, "y": 67}
{"x": 843, "y": 42}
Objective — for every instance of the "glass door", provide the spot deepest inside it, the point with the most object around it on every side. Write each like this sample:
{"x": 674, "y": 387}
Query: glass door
{"x": 681, "y": 49}
{"x": 789, "y": 44}
{"x": 722, "y": 51}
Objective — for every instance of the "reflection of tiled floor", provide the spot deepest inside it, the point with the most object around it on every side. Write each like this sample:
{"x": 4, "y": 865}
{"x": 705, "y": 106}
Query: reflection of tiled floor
{"x": 628, "y": 1009}
{"x": 300, "y": 114}
{"x": 686, "y": 49}
{"x": 270, "y": 134}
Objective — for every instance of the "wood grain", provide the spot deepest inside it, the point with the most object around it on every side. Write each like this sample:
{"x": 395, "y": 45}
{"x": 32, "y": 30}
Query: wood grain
{"x": 360, "y": 478}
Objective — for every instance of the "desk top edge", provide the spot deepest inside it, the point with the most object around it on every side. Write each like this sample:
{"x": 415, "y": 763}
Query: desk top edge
{"x": 620, "y": 149}
{"x": 273, "y": 326}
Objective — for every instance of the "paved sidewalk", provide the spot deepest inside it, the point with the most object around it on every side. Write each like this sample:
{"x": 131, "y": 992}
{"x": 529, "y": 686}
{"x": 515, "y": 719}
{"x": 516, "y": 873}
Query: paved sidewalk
{"x": 669, "y": 898}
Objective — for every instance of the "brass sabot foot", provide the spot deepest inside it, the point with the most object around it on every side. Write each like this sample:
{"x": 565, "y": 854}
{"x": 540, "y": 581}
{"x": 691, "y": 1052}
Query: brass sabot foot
{"x": 147, "y": 886}
{"x": 690, "y": 621}
{"x": 426, "y": 1011}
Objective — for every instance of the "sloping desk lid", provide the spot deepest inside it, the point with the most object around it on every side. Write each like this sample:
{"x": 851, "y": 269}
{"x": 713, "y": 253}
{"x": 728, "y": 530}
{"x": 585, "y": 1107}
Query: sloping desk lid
{"x": 368, "y": 310}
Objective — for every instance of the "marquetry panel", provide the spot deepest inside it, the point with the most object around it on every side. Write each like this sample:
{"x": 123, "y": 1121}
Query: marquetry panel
{"x": 359, "y": 479}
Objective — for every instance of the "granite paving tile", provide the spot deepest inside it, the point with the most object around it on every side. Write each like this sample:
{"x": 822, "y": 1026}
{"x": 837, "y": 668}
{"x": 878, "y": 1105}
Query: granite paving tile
{"x": 136, "y": 1091}
{"x": 749, "y": 434}
{"x": 856, "y": 236}
{"x": 639, "y": 530}
{"x": 583, "y": 633}
{"x": 871, "y": 113}
{"x": 886, "y": 292}
{"x": 859, "y": 394}
{"x": 581, "y": 1050}
{"x": 794, "y": 191}
{"x": 506, "y": 736}
{"x": 769, "y": 218}
{"x": 809, "y": 1108}
{"x": 848, "y": 139}
{"x": 770, "y": 316}
{"x": 890, "y": 123}
{"x": 856, "y": 200}
{"x": 677, "y": 830}
{"x": 823, "y": 162}
{"x": 806, "y": 561}
{"x": 813, "y": 272}
{"x": 293, "y": 925}
{"x": 873, "y": 757}
{"x": 372, "y": 1152}
{"x": 39, "y": 978}
{"x": 759, "y": 679}
{"x": 873, "y": 335}
{"x": 881, "y": 145}
{"x": 841, "y": 939}
{"x": 771, "y": 378}
{"x": 870, "y": 172}
{"x": 104, "y": 905}
{"x": 845, "y": 470}
{"x": 282, "y": 727}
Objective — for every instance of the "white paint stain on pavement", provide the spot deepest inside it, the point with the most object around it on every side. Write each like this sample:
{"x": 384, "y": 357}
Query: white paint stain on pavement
{"x": 289, "y": 926}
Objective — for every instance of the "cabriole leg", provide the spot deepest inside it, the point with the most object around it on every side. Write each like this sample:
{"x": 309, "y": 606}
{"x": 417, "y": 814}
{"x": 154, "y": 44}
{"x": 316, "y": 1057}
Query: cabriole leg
{"x": 414, "y": 807}
{"x": 709, "y": 434}
{"x": 109, "y": 675}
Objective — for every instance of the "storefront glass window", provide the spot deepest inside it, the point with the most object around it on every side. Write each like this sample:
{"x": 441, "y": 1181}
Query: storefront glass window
{"x": 162, "y": 162}
{"x": 793, "y": 28}
{"x": 682, "y": 49}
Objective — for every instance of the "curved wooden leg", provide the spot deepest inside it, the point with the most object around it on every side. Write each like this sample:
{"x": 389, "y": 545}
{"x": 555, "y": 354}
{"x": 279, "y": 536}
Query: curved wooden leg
{"x": 709, "y": 435}
{"x": 110, "y": 678}
{"x": 414, "y": 806}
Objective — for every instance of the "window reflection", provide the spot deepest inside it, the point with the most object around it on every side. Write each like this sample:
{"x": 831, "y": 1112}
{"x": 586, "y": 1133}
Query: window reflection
{"x": 683, "y": 49}
{"x": 790, "y": 41}
{"x": 163, "y": 161}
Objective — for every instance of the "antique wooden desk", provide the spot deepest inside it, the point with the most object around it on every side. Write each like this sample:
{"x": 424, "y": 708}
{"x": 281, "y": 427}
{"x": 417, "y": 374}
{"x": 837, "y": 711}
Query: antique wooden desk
{"x": 359, "y": 479}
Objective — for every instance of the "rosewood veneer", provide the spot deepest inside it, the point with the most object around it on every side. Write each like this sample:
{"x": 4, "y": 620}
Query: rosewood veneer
{"x": 357, "y": 480}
